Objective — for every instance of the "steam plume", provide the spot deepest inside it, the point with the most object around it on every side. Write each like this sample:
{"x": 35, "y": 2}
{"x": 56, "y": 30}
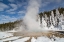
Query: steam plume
{"x": 31, "y": 15}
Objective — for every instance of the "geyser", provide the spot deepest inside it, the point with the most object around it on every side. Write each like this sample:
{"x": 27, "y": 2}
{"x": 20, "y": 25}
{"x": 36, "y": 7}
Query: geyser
{"x": 34, "y": 23}
{"x": 30, "y": 18}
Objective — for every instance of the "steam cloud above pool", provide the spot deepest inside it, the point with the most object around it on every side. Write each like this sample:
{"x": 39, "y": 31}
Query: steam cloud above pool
{"x": 30, "y": 18}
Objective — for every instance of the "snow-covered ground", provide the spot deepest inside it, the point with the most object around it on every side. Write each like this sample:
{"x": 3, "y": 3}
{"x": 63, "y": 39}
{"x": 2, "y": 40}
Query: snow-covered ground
{"x": 46, "y": 39}
{"x": 22, "y": 39}
{"x": 4, "y": 35}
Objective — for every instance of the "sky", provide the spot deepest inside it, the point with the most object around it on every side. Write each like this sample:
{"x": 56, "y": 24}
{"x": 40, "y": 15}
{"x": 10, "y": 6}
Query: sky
{"x": 12, "y": 10}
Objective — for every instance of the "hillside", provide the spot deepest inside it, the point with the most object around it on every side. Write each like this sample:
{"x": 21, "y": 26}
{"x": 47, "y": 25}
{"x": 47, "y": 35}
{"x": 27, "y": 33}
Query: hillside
{"x": 48, "y": 13}
{"x": 54, "y": 17}
{"x": 11, "y": 25}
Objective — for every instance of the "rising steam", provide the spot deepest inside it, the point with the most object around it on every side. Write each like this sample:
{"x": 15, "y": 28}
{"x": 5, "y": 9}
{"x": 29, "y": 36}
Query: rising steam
{"x": 30, "y": 18}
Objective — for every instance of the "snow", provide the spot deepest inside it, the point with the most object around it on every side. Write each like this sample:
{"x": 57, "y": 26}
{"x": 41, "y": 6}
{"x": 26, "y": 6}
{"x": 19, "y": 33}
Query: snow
{"x": 11, "y": 38}
{"x": 52, "y": 22}
{"x": 39, "y": 39}
{"x": 46, "y": 39}
{"x": 4, "y": 35}
{"x": 60, "y": 40}
{"x": 1, "y": 41}
{"x": 22, "y": 40}
{"x": 33, "y": 39}
{"x": 11, "y": 31}
{"x": 43, "y": 39}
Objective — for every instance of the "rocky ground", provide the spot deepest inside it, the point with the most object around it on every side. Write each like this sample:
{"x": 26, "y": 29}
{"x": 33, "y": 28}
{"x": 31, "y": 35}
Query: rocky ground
{"x": 37, "y": 34}
{"x": 48, "y": 34}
